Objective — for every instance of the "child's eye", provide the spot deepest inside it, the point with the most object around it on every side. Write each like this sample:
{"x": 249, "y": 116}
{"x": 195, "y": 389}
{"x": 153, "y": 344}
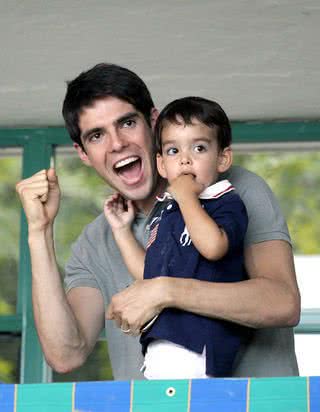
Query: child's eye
{"x": 172, "y": 151}
{"x": 200, "y": 148}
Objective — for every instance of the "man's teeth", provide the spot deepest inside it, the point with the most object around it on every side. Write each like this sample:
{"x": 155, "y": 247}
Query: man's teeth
{"x": 126, "y": 161}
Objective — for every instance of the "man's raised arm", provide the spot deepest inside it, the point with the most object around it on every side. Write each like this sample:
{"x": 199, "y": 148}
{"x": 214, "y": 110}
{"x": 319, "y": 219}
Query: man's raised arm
{"x": 66, "y": 331}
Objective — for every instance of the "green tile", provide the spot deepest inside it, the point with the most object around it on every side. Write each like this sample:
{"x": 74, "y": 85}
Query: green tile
{"x": 160, "y": 396}
{"x": 54, "y": 397}
{"x": 278, "y": 395}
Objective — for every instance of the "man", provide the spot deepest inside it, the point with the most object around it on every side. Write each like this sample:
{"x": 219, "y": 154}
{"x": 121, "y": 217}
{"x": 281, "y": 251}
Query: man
{"x": 109, "y": 114}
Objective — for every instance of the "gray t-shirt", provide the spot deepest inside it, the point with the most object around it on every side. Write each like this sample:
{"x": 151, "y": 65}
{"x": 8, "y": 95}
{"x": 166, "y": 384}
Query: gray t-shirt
{"x": 96, "y": 262}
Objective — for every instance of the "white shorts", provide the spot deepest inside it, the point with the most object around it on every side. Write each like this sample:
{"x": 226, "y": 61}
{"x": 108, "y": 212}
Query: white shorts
{"x": 166, "y": 360}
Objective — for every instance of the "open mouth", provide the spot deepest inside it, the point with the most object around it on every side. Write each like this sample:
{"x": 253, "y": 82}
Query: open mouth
{"x": 129, "y": 169}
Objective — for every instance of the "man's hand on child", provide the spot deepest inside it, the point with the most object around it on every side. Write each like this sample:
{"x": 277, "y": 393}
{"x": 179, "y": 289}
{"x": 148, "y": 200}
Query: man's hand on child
{"x": 185, "y": 186}
{"x": 119, "y": 212}
{"x": 135, "y": 306}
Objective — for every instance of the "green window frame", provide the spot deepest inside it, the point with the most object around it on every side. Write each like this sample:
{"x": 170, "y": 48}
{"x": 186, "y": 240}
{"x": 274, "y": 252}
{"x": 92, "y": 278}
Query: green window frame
{"x": 38, "y": 145}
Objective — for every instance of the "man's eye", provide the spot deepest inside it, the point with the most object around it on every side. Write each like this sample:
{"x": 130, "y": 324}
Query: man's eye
{"x": 129, "y": 123}
{"x": 172, "y": 151}
{"x": 200, "y": 148}
{"x": 94, "y": 137}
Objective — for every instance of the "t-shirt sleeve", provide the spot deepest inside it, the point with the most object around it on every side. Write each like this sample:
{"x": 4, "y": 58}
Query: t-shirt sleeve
{"x": 266, "y": 221}
{"x": 77, "y": 273}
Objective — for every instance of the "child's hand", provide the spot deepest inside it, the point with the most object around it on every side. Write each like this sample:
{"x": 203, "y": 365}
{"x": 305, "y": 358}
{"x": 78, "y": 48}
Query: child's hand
{"x": 119, "y": 212}
{"x": 185, "y": 186}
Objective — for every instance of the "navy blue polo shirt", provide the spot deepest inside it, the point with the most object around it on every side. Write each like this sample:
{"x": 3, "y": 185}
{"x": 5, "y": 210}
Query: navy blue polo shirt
{"x": 170, "y": 252}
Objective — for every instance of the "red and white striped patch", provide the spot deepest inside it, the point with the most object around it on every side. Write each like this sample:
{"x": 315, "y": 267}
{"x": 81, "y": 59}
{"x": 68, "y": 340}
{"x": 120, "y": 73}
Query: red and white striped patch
{"x": 153, "y": 235}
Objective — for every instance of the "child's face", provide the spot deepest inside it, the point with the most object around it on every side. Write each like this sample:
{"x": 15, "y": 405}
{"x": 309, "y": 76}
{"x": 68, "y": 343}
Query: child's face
{"x": 192, "y": 149}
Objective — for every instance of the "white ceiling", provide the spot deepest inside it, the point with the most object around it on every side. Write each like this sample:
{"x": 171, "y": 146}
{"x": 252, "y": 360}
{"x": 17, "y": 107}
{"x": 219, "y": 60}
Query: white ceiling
{"x": 259, "y": 59}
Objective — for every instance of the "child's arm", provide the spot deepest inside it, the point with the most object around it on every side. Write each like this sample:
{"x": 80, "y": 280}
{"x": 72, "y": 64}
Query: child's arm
{"x": 209, "y": 239}
{"x": 120, "y": 214}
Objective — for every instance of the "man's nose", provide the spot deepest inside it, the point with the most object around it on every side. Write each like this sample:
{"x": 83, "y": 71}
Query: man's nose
{"x": 116, "y": 142}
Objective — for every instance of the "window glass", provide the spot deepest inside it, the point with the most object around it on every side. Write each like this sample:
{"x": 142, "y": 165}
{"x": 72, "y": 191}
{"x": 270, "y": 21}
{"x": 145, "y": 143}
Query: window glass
{"x": 9, "y": 358}
{"x": 308, "y": 274}
{"x": 10, "y": 173}
{"x": 83, "y": 193}
{"x": 307, "y": 350}
{"x": 295, "y": 178}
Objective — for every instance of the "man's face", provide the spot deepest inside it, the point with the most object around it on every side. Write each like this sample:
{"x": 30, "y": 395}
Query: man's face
{"x": 118, "y": 144}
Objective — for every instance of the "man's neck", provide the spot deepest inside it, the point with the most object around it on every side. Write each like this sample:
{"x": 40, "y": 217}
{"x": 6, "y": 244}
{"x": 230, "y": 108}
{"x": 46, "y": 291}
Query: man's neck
{"x": 147, "y": 204}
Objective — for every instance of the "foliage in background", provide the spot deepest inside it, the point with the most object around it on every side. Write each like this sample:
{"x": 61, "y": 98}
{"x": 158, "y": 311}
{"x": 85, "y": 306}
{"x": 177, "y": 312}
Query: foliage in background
{"x": 83, "y": 193}
{"x": 294, "y": 178}
{"x": 10, "y": 170}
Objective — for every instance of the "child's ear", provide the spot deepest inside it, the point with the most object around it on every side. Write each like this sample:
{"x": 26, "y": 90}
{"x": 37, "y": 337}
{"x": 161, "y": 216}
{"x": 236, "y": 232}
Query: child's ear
{"x": 224, "y": 159}
{"x": 82, "y": 154}
{"x": 160, "y": 166}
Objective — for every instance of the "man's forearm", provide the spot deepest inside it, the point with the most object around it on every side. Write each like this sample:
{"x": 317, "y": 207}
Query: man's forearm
{"x": 58, "y": 330}
{"x": 254, "y": 303}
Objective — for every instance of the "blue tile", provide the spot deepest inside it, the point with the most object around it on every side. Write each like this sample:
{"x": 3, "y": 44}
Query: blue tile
{"x": 102, "y": 396}
{"x": 314, "y": 390}
{"x": 6, "y": 398}
{"x": 219, "y": 395}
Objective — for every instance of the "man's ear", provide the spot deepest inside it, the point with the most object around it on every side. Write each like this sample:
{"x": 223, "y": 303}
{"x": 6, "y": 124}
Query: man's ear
{"x": 82, "y": 154}
{"x": 153, "y": 117}
{"x": 224, "y": 159}
{"x": 161, "y": 169}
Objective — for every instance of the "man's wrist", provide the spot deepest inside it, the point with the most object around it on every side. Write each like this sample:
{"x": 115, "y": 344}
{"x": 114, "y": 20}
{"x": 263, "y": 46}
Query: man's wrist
{"x": 36, "y": 233}
{"x": 166, "y": 294}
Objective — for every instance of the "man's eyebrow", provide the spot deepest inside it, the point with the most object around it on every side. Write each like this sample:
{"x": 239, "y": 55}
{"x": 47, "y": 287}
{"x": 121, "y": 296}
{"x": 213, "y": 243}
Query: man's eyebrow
{"x": 122, "y": 119}
{"x": 89, "y": 132}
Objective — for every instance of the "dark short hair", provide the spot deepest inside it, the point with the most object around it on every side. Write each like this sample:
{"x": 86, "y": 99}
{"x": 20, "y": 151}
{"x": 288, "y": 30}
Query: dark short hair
{"x": 103, "y": 80}
{"x": 205, "y": 111}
